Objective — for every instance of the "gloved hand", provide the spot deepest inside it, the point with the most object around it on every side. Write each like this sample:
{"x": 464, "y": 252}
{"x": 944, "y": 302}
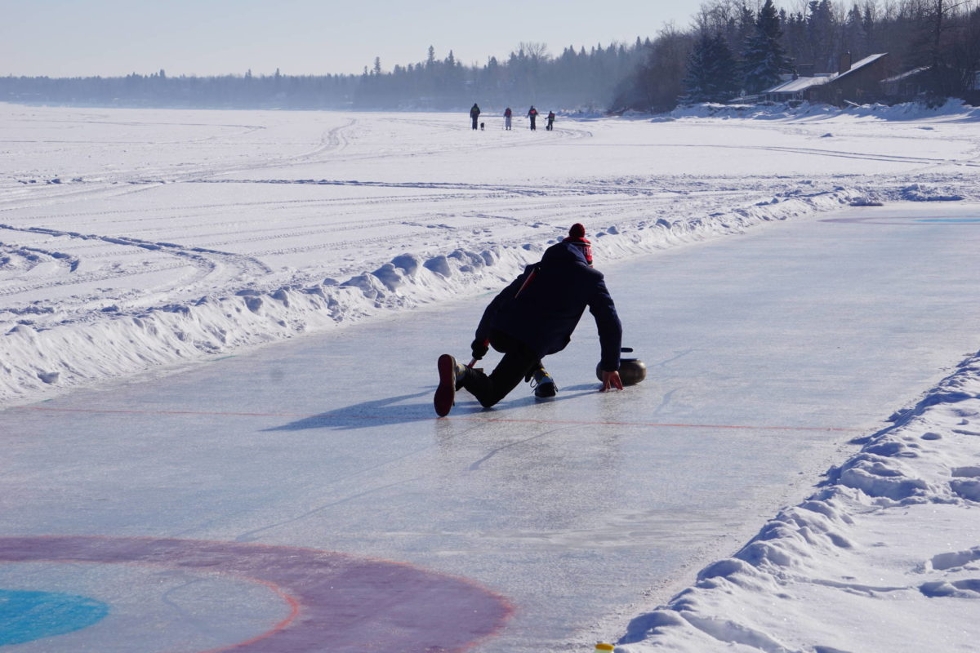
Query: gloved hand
{"x": 480, "y": 348}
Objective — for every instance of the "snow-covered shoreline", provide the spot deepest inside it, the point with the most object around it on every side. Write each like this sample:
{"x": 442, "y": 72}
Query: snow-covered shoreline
{"x": 883, "y": 557}
{"x": 114, "y": 343}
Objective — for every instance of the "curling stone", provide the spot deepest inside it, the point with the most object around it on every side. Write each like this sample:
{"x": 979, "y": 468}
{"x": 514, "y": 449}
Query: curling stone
{"x": 631, "y": 370}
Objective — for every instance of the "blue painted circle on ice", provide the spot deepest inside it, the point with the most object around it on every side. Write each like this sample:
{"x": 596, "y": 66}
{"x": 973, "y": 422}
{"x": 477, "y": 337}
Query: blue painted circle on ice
{"x": 27, "y": 616}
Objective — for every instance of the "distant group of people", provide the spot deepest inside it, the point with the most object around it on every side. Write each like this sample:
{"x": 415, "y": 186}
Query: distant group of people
{"x": 532, "y": 114}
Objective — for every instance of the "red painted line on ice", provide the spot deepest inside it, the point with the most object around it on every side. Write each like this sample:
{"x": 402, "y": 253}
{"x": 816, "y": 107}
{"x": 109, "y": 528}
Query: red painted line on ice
{"x": 132, "y": 411}
{"x": 908, "y": 220}
{"x": 483, "y": 417}
{"x": 338, "y": 601}
{"x": 291, "y": 601}
{"x": 679, "y": 425}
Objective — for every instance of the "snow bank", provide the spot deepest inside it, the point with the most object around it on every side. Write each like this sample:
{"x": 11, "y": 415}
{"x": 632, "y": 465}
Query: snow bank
{"x": 884, "y": 554}
{"x": 108, "y": 344}
{"x": 952, "y": 109}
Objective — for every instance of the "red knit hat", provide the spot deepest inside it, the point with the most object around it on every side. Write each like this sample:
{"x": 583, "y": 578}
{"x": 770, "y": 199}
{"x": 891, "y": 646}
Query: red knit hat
{"x": 576, "y": 236}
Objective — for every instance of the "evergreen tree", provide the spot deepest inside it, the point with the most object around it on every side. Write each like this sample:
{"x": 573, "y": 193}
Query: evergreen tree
{"x": 795, "y": 37}
{"x": 746, "y": 24}
{"x": 711, "y": 71}
{"x": 855, "y": 40}
{"x": 697, "y": 79}
{"x": 821, "y": 27}
{"x": 869, "y": 20}
{"x": 764, "y": 58}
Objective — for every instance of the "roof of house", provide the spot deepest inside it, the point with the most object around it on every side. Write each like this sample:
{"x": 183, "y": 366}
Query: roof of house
{"x": 799, "y": 84}
{"x": 802, "y": 83}
{"x": 906, "y": 74}
{"x": 857, "y": 65}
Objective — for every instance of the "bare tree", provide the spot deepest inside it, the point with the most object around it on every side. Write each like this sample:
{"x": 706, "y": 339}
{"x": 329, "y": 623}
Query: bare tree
{"x": 534, "y": 51}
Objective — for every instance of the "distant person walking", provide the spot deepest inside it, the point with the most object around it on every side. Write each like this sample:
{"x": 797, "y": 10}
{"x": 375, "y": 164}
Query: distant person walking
{"x": 551, "y": 121}
{"x": 475, "y": 115}
{"x": 507, "y": 114}
{"x": 533, "y": 115}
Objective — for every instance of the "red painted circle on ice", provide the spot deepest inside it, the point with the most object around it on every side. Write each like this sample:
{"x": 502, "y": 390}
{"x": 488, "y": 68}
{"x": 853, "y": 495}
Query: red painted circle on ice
{"x": 336, "y": 600}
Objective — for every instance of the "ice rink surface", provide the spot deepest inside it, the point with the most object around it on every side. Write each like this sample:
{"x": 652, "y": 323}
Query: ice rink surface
{"x": 232, "y": 501}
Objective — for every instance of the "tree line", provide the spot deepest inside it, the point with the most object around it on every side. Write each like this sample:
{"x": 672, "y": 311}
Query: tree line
{"x": 732, "y": 50}
{"x": 575, "y": 79}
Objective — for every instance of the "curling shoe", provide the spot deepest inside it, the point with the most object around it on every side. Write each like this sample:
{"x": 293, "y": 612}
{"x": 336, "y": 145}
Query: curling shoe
{"x": 451, "y": 376}
{"x": 544, "y": 386}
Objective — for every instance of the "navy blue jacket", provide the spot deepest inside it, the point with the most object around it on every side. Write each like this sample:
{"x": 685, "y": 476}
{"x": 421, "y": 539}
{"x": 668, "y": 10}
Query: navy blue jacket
{"x": 543, "y": 313}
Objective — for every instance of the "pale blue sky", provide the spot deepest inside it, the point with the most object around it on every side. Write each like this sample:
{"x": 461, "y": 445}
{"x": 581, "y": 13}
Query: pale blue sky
{"x": 64, "y": 38}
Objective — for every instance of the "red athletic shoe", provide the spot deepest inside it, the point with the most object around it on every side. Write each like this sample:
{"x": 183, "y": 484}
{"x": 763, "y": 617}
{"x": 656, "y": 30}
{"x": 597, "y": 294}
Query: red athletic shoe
{"x": 446, "y": 392}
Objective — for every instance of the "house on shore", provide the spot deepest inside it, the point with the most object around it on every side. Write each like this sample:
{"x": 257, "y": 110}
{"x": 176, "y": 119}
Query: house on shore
{"x": 857, "y": 83}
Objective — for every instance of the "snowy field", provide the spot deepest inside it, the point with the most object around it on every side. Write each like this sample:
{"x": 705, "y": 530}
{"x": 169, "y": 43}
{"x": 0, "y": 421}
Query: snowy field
{"x": 151, "y": 241}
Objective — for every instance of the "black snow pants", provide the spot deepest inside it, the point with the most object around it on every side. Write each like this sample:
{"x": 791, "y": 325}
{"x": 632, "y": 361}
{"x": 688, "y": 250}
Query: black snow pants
{"x": 516, "y": 365}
